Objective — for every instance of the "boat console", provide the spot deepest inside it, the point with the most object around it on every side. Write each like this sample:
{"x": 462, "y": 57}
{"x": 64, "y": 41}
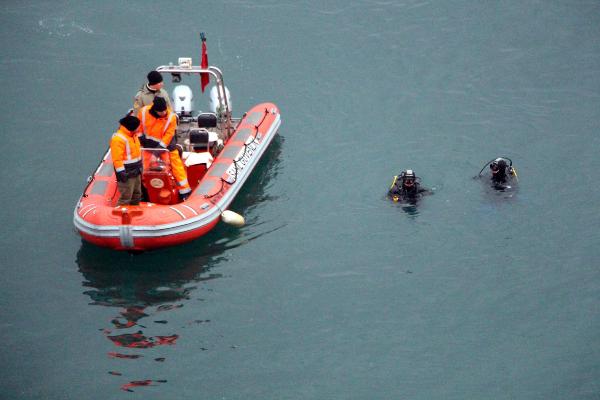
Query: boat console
{"x": 157, "y": 177}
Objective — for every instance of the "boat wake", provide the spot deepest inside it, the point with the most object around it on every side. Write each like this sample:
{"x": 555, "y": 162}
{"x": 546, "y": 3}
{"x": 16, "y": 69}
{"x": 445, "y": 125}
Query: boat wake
{"x": 62, "y": 27}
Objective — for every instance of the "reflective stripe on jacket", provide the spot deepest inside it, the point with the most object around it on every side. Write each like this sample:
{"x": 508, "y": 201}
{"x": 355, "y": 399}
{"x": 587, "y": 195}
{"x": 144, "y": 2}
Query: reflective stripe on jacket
{"x": 160, "y": 130}
{"x": 125, "y": 150}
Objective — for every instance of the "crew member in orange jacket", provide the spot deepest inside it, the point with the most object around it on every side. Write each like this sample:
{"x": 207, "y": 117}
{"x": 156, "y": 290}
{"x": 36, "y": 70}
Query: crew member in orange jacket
{"x": 158, "y": 125}
{"x": 126, "y": 155}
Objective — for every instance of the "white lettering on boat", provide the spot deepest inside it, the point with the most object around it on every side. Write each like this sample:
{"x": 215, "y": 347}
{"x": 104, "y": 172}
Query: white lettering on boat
{"x": 241, "y": 163}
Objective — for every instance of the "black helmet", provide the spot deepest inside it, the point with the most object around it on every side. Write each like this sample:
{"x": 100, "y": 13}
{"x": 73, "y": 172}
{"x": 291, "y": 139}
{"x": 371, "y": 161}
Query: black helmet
{"x": 498, "y": 164}
{"x": 408, "y": 177}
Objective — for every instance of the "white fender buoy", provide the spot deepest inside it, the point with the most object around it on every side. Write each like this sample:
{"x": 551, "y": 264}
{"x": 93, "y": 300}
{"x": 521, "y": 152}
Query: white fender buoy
{"x": 232, "y": 218}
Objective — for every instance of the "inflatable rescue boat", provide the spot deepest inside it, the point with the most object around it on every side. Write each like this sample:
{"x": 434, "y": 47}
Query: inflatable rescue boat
{"x": 219, "y": 153}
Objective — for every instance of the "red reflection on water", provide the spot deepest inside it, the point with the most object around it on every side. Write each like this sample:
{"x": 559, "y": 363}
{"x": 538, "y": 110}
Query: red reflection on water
{"x": 128, "y": 318}
{"x": 139, "y": 341}
{"x": 120, "y": 325}
{"x": 132, "y": 315}
{"x": 148, "y": 382}
{"x": 168, "y": 340}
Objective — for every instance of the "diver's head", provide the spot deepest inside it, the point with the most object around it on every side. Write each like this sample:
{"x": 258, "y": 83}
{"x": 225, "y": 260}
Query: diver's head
{"x": 408, "y": 178}
{"x": 498, "y": 166}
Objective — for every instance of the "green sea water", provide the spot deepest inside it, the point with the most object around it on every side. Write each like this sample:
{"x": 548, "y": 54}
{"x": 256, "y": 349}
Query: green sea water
{"x": 330, "y": 291}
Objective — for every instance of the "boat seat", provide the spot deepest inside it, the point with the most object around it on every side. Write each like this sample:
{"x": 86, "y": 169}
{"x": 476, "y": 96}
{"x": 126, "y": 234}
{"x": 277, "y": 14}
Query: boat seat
{"x": 199, "y": 140}
{"x": 207, "y": 120}
{"x": 197, "y": 164}
{"x": 190, "y": 159}
{"x": 203, "y": 140}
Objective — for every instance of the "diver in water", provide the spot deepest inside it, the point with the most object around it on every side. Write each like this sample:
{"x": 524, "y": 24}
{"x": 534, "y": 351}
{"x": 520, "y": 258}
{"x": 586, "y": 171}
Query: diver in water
{"x": 407, "y": 187}
{"x": 502, "y": 172}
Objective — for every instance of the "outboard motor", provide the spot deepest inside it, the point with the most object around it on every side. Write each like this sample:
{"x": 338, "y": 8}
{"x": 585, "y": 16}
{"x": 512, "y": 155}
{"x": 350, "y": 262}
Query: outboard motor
{"x": 214, "y": 100}
{"x": 182, "y": 100}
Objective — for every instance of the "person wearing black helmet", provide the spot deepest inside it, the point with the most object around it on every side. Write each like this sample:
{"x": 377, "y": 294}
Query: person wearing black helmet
{"x": 407, "y": 187}
{"x": 502, "y": 172}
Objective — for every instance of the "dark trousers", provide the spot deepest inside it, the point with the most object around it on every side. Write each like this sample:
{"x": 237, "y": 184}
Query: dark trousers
{"x": 131, "y": 191}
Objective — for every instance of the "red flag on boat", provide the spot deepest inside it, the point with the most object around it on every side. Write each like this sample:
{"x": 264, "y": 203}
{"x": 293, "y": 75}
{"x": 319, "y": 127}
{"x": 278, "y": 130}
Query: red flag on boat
{"x": 204, "y": 77}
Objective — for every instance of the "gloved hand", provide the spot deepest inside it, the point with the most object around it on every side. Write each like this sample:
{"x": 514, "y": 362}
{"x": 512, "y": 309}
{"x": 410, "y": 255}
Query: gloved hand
{"x": 177, "y": 147}
{"x": 144, "y": 141}
{"x": 122, "y": 176}
{"x": 147, "y": 143}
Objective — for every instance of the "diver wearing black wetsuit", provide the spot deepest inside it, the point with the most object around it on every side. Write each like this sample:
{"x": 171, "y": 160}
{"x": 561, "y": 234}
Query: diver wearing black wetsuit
{"x": 406, "y": 187}
{"x": 499, "y": 167}
{"x": 502, "y": 172}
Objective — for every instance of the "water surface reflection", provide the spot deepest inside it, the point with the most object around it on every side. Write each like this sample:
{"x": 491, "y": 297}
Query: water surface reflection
{"x": 144, "y": 288}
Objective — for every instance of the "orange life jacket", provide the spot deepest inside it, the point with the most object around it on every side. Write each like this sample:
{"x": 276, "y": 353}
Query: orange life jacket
{"x": 160, "y": 130}
{"x": 125, "y": 150}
